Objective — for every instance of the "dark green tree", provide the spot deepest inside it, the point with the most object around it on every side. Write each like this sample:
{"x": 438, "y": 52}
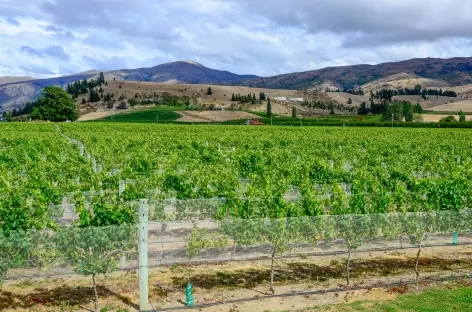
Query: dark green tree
{"x": 209, "y": 91}
{"x": 94, "y": 96}
{"x": 394, "y": 110}
{"x": 418, "y": 89}
{"x": 331, "y": 109}
{"x": 418, "y": 109}
{"x": 55, "y": 104}
{"x": 294, "y": 112}
{"x": 363, "y": 110}
{"x": 349, "y": 101}
{"x": 448, "y": 119}
{"x": 407, "y": 111}
{"x": 462, "y": 116}
{"x": 101, "y": 78}
{"x": 233, "y": 98}
{"x": 269, "y": 108}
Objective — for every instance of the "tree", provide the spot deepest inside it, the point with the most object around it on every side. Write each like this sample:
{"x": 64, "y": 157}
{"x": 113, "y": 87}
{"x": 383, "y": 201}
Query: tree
{"x": 418, "y": 118}
{"x": 294, "y": 112}
{"x": 349, "y": 101}
{"x": 331, "y": 109}
{"x": 233, "y": 98}
{"x": 418, "y": 109}
{"x": 462, "y": 116}
{"x": 407, "y": 111}
{"x": 448, "y": 119}
{"x": 95, "y": 250}
{"x": 363, "y": 110}
{"x": 418, "y": 89}
{"x": 101, "y": 78}
{"x": 55, "y": 104}
{"x": 94, "y": 96}
{"x": 84, "y": 101}
{"x": 269, "y": 108}
{"x": 209, "y": 91}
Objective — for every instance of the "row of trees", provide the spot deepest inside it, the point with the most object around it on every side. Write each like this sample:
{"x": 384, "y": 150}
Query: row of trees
{"x": 250, "y": 98}
{"x": 83, "y": 87}
{"x": 387, "y": 94}
{"x": 398, "y": 109}
{"x": 352, "y": 231}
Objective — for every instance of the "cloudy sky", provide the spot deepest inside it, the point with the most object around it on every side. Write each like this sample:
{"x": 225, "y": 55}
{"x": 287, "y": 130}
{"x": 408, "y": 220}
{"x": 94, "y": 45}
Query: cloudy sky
{"x": 44, "y": 38}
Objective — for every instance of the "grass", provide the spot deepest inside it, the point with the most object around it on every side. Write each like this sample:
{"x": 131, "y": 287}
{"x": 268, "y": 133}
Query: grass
{"x": 321, "y": 120}
{"x": 458, "y": 299}
{"x": 154, "y": 114}
{"x": 453, "y": 113}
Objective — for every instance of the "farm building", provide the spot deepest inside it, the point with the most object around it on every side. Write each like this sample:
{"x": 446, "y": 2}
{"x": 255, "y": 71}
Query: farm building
{"x": 295, "y": 99}
{"x": 285, "y": 99}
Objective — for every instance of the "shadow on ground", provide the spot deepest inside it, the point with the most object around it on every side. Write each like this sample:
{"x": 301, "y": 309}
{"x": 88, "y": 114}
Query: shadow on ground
{"x": 306, "y": 272}
{"x": 72, "y": 296}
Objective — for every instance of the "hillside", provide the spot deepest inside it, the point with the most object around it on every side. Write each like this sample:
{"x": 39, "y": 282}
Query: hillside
{"x": 405, "y": 80}
{"x": 454, "y": 71}
{"x": 12, "y": 79}
{"x": 430, "y": 73}
{"x": 178, "y": 72}
{"x": 221, "y": 96}
{"x": 15, "y": 94}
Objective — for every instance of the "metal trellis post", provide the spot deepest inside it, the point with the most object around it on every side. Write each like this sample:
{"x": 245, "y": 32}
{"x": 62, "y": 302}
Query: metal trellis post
{"x": 143, "y": 255}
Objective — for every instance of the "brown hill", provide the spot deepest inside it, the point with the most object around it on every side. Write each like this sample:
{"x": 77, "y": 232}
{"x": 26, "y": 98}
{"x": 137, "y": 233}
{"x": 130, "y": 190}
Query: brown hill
{"x": 455, "y": 71}
{"x": 405, "y": 80}
{"x": 178, "y": 72}
{"x": 15, "y": 94}
{"x": 221, "y": 96}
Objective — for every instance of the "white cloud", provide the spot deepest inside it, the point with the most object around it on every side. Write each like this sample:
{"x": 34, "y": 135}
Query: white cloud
{"x": 247, "y": 37}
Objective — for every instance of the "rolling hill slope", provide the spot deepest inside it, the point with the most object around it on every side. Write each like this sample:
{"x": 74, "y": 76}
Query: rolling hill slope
{"x": 16, "y": 94}
{"x": 178, "y": 72}
{"x": 454, "y": 71}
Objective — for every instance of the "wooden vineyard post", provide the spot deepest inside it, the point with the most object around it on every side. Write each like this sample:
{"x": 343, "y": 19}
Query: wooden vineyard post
{"x": 143, "y": 255}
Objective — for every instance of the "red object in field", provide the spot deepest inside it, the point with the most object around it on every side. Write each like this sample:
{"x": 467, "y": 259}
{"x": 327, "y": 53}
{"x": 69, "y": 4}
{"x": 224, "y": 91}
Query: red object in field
{"x": 254, "y": 122}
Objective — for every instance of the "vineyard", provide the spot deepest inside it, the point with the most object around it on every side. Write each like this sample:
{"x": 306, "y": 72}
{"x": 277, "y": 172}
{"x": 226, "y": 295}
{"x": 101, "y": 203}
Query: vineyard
{"x": 279, "y": 196}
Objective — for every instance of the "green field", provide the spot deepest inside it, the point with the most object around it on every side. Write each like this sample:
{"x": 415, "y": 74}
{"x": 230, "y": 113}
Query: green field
{"x": 439, "y": 300}
{"x": 387, "y": 168}
{"x": 155, "y": 114}
{"x": 267, "y": 188}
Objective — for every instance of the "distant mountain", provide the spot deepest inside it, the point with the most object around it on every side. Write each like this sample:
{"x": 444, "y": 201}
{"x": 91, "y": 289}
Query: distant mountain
{"x": 15, "y": 94}
{"x": 178, "y": 72}
{"x": 428, "y": 71}
{"x": 10, "y": 79}
{"x": 455, "y": 71}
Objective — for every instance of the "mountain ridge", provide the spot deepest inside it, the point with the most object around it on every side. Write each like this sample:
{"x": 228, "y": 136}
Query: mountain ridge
{"x": 16, "y": 94}
{"x": 455, "y": 71}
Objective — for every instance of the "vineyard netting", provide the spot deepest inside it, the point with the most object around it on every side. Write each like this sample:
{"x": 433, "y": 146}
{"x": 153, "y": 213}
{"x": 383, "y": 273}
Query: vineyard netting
{"x": 187, "y": 231}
